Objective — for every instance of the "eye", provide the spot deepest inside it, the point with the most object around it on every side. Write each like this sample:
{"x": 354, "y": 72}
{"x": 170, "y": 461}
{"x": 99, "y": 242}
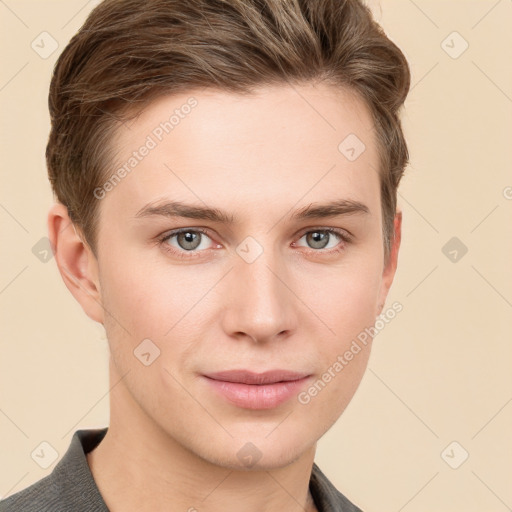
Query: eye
{"x": 327, "y": 238}
{"x": 195, "y": 242}
{"x": 186, "y": 240}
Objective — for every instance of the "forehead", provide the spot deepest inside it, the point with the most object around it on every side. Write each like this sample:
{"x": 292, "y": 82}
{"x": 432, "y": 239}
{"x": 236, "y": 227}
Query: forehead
{"x": 219, "y": 146}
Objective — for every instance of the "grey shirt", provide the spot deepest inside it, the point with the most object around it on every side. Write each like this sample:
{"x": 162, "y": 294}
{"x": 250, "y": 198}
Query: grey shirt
{"x": 70, "y": 487}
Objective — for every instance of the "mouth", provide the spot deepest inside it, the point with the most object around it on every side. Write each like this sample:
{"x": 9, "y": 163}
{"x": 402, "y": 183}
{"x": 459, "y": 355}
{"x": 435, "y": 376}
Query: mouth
{"x": 250, "y": 390}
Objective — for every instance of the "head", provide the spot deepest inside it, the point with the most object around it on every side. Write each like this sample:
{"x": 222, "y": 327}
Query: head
{"x": 268, "y": 133}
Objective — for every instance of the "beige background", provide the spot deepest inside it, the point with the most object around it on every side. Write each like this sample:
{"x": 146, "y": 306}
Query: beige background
{"x": 440, "y": 372}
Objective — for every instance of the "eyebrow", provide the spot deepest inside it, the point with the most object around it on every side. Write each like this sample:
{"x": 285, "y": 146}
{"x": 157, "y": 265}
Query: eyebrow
{"x": 313, "y": 211}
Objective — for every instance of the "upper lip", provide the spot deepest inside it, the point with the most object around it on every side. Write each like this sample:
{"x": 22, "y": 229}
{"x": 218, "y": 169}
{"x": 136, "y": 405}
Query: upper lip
{"x": 248, "y": 377}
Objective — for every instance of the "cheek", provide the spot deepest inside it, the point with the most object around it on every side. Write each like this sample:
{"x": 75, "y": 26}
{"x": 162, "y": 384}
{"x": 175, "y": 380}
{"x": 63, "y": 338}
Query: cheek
{"x": 149, "y": 299}
{"x": 343, "y": 355}
{"x": 149, "y": 296}
{"x": 349, "y": 309}
{"x": 346, "y": 298}
{"x": 343, "y": 365}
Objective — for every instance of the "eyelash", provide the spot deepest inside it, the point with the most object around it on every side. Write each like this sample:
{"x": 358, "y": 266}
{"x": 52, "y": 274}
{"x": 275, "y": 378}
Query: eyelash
{"x": 345, "y": 238}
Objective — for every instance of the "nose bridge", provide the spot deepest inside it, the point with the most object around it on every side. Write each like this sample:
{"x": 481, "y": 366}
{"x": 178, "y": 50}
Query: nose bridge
{"x": 260, "y": 304}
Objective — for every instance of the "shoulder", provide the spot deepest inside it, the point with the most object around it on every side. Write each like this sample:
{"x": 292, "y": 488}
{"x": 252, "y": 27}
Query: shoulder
{"x": 41, "y": 496}
{"x": 68, "y": 488}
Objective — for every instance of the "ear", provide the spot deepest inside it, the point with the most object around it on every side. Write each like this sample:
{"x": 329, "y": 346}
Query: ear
{"x": 388, "y": 273}
{"x": 76, "y": 262}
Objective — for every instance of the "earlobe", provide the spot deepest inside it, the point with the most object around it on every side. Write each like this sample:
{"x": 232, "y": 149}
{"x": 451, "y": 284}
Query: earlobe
{"x": 76, "y": 262}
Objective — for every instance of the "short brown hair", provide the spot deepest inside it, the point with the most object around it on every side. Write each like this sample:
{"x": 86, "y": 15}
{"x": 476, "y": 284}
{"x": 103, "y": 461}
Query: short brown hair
{"x": 129, "y": 52}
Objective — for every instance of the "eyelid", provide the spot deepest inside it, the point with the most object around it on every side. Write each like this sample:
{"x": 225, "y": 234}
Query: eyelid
{"x": 169, "y": 234}
{"x": 177, "y": 231}
{"x": 345, "y": 235}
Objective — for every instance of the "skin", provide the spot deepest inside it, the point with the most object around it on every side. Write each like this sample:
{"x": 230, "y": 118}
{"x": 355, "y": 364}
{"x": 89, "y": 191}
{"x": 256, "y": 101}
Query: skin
{"x": 172, "y": 439}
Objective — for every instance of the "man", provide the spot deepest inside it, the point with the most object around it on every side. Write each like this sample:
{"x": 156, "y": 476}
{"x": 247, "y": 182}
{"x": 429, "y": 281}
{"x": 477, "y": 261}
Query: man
{"x": 226, "y": 176}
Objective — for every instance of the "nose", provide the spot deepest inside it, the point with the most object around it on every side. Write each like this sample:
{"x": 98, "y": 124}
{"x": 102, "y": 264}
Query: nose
{"x": 259, "y": 301}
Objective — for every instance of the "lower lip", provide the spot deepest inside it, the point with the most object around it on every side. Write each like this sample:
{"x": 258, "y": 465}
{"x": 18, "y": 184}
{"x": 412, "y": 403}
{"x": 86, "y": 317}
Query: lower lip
{"x": 254, "y": 396}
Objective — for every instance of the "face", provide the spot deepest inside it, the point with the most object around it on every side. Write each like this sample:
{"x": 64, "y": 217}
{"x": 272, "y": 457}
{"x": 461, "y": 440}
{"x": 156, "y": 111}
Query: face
{"x": 272, "y": 260}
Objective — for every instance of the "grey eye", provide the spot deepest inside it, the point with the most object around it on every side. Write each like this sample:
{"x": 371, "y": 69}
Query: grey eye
{"x": 317, "y": 239}
{"x": 321, "y": 239}
{"x": 189, "y": 240}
